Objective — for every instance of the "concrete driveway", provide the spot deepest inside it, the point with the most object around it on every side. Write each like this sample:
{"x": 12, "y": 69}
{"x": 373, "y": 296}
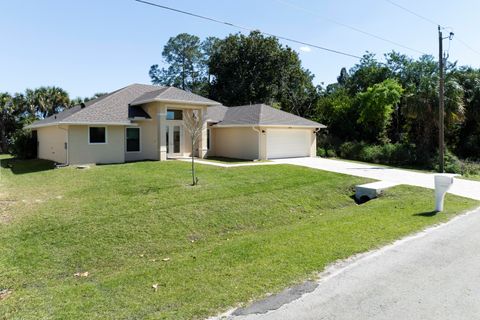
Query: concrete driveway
{"x": 461, "y": 187}
{"x": 433, "y": 275}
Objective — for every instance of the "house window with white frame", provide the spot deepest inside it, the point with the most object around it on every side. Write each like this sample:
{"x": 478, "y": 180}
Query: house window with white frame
{"x": 97, "y": 135}
{"x": 132, "y": 136}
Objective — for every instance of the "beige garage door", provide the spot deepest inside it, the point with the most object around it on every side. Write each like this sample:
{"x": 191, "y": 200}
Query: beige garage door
{"x": 288, "y": 143}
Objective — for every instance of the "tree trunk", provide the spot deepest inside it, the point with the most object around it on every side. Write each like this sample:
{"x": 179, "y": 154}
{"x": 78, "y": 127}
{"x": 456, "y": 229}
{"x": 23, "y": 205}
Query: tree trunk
{"x": 194, "y": 182}
{"x": 3, "y": 138}
{"x": 183, "y": 74}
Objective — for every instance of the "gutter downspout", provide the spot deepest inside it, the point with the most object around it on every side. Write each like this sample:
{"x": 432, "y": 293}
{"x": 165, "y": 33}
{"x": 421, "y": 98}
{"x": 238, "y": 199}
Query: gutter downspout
{"x": 68, "y": 144}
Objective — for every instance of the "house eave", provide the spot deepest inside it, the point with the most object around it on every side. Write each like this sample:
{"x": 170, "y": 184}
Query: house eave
{"x": 268, "y": 126}
{"x": 70, "y": 123}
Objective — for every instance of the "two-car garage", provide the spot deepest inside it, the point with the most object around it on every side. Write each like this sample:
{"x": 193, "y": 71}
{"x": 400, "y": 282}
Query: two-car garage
{"x": 262, "y": 142}
{"x": 288, "y": 143}
{"x": 260, "y": 132}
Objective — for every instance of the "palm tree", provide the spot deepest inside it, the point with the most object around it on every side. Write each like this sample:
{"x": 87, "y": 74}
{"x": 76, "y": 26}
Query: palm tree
{"x": 47, "y": 101}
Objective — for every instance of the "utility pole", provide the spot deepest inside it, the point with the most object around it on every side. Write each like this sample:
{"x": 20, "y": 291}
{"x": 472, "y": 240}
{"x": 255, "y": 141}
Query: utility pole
{"x": 441, "y": 99}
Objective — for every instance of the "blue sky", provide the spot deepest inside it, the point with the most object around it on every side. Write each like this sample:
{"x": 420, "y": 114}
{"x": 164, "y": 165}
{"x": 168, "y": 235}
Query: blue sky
{"x": 92, "y": 46}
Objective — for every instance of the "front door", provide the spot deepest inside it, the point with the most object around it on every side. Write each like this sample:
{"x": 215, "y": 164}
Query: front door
{"x": 174, "y": 140}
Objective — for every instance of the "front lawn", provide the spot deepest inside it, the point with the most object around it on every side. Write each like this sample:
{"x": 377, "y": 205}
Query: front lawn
{"x": 242, "y": 233}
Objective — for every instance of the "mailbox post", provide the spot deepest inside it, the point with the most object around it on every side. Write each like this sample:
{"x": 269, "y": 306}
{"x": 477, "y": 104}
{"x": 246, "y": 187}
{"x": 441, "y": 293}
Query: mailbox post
{"x": 443, "y": 182}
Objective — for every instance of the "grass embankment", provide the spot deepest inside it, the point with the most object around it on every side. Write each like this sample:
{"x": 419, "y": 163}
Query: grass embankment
{"x": 243, "y": 232}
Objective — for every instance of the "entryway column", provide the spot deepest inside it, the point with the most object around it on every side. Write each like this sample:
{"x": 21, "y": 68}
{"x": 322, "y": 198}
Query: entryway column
{"x": 202, "y": 146}
{"x": 162, "y": 139}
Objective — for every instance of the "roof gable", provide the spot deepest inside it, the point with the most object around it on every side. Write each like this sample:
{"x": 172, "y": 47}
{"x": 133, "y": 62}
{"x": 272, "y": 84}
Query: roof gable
{"x": 172, "y": 94}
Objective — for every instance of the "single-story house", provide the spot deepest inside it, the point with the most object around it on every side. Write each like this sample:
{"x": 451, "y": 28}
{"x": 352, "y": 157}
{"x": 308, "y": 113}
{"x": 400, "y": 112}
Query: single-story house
{"x": 145, "y": 122}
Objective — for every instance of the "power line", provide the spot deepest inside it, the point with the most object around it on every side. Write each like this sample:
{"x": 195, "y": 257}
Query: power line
{"x": 434, "y": 23}
{"x": 413, "y": 12}
{"x": 249, "y": 29}
{"x": 350, "y": 27}
{"x": 467, "y": 45}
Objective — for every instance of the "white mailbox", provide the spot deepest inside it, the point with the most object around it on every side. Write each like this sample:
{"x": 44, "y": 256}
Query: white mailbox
{"x": 443, "y": 182}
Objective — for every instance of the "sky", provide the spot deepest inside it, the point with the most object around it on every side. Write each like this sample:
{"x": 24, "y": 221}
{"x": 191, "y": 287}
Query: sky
{"x": 89, "y": 46}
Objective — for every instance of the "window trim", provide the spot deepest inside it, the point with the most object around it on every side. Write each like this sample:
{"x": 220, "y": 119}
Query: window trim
{"x": 139, "y": 140}
{"x": 96, "y": 143}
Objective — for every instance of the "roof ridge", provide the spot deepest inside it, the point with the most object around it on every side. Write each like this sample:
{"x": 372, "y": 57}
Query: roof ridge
{"x": 170, "y": 87}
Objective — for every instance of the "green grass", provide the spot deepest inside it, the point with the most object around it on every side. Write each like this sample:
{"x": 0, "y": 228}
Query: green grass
{"x": 230, "y": 160}
{"x": 242, "y": 233}
{"x": 226, "y": 160}
{"x": 474, "y": 177}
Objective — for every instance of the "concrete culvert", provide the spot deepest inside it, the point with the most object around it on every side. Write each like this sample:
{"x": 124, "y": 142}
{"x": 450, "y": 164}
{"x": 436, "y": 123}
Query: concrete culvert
{"x": 361, "y": 200}
{"x": 365, "y": 192}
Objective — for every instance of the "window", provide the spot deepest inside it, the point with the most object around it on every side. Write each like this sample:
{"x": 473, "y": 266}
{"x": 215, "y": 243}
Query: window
{"x": 174, "y": 115}
{"x": 133, "y": 139}
{"x": 97, "y": 135}
{"x": 209, "y": 132}
{"x": 176, "y": 139}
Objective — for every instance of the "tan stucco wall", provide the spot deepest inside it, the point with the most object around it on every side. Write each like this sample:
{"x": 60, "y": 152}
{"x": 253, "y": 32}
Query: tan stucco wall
{"x": 80, "y": 151}
{"x": 51, "y": 143}
{"x": 240, "y": 143}
{"x": 148, "y": 142}
{"x": 153, "y": 142}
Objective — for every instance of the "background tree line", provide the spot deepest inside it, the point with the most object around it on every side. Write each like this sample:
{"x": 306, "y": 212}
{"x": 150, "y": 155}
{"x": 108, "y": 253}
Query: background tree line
{"x": 376, "y": 111}
{"x": 20, "y": 109}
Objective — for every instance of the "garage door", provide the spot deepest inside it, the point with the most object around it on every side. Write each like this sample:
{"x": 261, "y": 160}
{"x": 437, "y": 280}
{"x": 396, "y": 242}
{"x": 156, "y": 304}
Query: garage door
{"x": 288, "y": 143}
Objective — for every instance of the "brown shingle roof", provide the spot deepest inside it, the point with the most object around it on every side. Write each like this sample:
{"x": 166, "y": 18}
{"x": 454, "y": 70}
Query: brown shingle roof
{"x": 257, "y": 115}
{"x": 117, "y": 107}
{"x": 216, "y": 113}
{"x": 172, "y": 94}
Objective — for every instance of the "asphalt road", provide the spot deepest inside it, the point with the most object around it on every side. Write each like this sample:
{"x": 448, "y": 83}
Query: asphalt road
{"x": 433, "y": 275}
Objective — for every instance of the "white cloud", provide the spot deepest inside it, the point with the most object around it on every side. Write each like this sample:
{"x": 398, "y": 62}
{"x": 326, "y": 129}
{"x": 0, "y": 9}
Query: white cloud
{"x": 305, "y": 49}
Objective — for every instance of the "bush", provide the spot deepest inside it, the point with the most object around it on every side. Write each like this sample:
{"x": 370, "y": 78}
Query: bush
{"x": 394, "y": 154}
{"x": 470, "y": 168}
{"x": 405, "y": 154}
{"x": 350, "y": 150}
{"x": 331, "y": 153}
{"x": 326, "y": 153}
{"x": 451, "y": 165}
{"x": 321, "y": 153}
{"x": 23, "y": 145}
{"x": 371, "y": 153}
{"x": 455, "y": 165}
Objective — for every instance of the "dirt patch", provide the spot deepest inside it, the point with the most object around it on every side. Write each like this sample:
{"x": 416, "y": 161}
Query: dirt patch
{"x": 5, "y": 219}
{"x": 4, "y": 205}
{"x": 4, "y": 294}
